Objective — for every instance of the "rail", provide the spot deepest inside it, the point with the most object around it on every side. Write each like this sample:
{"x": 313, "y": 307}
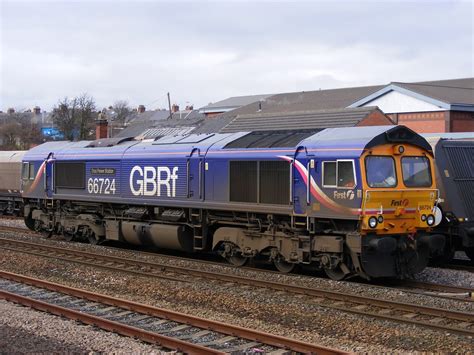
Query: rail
{"x": 436, "y": 318}
{"x": 148, "y": 323}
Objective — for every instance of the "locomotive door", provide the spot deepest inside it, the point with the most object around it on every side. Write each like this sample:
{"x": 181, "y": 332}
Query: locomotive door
{"x": 195, "y": 175}
{"x": 49, "y": 175}
{"x": 302, "y": 168}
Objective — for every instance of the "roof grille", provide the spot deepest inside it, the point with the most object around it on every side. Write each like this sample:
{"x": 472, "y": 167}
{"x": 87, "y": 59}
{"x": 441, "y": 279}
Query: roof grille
{"x": 272, "y": 139}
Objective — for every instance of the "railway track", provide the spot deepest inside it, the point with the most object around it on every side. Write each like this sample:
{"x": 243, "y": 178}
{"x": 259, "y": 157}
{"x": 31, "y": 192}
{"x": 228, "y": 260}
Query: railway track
{"x": 171, "y": 330}
{"x": 463, "y": 265}
{"x": 411, "y": 286}
{"x": 444, "y": 291}
{"x": 435, "y": 318}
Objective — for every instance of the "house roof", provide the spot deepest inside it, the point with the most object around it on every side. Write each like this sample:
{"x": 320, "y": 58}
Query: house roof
{"x": 300, "y": 120}
{"x": 306, "y": 109}
{"x": 456, "y": 91}
{"x": 181, "y": 122}
{"x": 307, "y": 100}
{"x": 148, "y": 116}
{"x": 453, "y": 94}
{"x": 232, "y": 103}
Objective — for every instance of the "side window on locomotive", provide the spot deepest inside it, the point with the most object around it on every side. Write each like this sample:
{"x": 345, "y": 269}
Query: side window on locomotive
{"x": 345, "y": 174}
{"x": 31, "y": 171}
{"x": 329, "y": 173}
{"x": 339, "y": 174}
{"x": 25, "y": 169}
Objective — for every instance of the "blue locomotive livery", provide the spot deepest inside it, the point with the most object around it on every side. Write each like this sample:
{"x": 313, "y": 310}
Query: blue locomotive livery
{"x": 350, "y": 201}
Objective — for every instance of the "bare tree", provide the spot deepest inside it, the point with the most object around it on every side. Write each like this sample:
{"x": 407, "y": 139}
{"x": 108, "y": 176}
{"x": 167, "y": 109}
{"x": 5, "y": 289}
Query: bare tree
{"x": 75, "y": 117}
{"x": 64, "y": 117}
{"x": 10, "y": 132}
{"x": 86, "y": 115}
{"x": 122, "y": 111}
{"x": 31, "y": 135}
{"x": 18, "y": 131}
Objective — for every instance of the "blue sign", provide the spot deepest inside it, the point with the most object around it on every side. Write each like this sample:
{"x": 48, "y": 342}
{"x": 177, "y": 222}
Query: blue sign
{"x": 52, "y": 132}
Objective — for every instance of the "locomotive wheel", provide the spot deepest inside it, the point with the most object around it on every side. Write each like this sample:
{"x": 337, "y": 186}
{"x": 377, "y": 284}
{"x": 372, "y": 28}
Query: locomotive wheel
{"x": 283, "y": 266}
{"x": 29, "y": 222}
{"x": 335, "y": 274}
{"x": 237, "y": 260}
{"x": 69, "y": 237}
{"x": 92, "y": 238}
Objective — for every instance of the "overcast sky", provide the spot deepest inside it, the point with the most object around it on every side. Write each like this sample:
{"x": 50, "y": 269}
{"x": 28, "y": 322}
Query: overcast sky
{"x": 203, "y": 51}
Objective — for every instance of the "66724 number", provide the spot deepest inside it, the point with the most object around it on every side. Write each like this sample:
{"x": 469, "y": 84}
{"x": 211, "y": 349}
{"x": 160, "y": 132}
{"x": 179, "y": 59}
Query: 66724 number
{"x": 104, "y": 186}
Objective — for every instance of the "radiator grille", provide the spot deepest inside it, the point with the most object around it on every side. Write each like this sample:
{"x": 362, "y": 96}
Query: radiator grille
{"x": 70, "y": 175}
{"x": 272, "y": 139}
{"x": 243, "y": 181}
{"x": 274, "y": 182}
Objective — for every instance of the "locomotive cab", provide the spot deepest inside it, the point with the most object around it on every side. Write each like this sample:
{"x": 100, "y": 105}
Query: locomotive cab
{"x": 398, "y": 206}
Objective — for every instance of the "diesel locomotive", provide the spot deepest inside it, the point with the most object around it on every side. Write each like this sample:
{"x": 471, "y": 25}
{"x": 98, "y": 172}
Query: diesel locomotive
{"x": 350, "y": 201}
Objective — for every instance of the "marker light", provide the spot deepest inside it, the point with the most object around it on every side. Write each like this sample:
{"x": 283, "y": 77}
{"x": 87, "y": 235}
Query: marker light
{"x": 380, "y": 219}
{"x": 372, "y": 222}
{"x": 423, "y": 217}
{"x": 401, "y": 149}
{"x": 430, "y": 220}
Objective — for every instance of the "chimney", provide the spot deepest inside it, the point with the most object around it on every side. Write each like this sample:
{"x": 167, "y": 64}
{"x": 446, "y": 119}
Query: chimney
{"x": 174, "y": 108}
{"x": 141, "y": 109}
{"x": 101, "y": 126}
{"x": 37, "y": 110}
{"x": 189, "y": 108}
{"x": 11, "y": 111}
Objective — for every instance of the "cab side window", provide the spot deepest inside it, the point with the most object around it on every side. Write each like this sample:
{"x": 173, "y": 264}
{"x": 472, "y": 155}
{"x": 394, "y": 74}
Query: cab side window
{"x": 339, "y": 174}
{"x": 31, "y": 171}
{"x": 25, "y": 170}
{"x": 345, "y": 174}
{"x": 329, "y": 174}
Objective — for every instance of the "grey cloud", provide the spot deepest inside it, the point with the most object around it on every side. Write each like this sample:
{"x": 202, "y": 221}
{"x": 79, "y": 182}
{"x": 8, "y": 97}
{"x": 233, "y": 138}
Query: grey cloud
{"x": 206, "y": 51}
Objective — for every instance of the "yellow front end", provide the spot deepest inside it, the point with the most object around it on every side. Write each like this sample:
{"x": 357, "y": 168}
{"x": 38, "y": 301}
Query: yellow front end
{"x": 398, "y": 211}
{"x": 399, "y": 190}
{"x": 398, "y": 208}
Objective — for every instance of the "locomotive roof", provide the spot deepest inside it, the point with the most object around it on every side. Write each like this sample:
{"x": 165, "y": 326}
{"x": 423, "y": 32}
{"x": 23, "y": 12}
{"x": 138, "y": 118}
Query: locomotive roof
{"x": 366, "y": 137}
{"x": 352, "y": 140}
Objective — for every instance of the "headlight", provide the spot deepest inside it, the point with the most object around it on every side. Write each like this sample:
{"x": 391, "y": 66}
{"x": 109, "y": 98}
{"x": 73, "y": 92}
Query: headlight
{"x": 372, "y": 222}
{"x": 430, "y": 220}
{"x": 423, "y": 217}
{"x": 380, "y": 219}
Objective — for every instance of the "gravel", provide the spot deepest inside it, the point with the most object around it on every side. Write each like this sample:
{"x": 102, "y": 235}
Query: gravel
{"x": 447, "y": 277}
{"x": 12, "y": 223}
{"x": 270, "y": 311}
{"x": 23, "y": 330}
